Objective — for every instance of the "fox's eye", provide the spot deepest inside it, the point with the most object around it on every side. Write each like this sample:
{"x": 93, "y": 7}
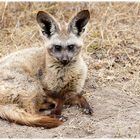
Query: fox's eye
{"x": 71, "y": 47}
{"x": 58, "y": 48}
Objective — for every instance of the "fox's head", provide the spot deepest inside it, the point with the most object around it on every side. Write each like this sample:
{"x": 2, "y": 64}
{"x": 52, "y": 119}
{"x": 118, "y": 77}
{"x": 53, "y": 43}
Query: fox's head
{"x": 64, "y": 44}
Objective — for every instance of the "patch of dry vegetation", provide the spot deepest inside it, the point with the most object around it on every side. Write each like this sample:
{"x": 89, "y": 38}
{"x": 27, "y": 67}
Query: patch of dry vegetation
{"x": 112, "y": 40}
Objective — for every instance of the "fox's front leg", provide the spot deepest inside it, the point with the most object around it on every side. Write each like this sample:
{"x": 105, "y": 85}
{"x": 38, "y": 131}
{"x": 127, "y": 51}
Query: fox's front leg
{"x": 58, "y": 107}
{"x": 81, "y": 102}
{"x": 56, "y": 101}
{"x": 56, "y": 112}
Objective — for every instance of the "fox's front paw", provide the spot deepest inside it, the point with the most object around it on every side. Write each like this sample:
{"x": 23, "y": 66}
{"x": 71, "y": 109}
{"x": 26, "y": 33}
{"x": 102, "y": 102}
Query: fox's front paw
{"x": 88, "y": 111}
{"x": 63, "y": 118}
{"x": 59, "y": 117}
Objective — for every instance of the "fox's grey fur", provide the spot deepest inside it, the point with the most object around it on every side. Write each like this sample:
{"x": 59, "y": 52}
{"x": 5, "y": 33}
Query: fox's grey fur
{"x": 56, "y": 66}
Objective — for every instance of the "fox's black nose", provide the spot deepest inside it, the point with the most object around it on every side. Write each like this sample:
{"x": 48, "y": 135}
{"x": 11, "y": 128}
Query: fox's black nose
{"x": 64, "y": 62}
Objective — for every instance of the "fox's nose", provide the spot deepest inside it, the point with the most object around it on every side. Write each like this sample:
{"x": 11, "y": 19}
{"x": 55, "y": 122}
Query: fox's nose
{"x": 64, "y": 62}
{"x": 64, "y": 59}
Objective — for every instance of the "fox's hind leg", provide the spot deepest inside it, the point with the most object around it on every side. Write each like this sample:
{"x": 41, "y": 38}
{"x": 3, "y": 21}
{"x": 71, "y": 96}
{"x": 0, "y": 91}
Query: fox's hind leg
{"x": 20, "y": 104}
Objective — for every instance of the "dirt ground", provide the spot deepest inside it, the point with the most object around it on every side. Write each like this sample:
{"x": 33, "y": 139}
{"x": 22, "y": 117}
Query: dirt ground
{"x": 112, "y": 53}
{"x": 116, "y": 115}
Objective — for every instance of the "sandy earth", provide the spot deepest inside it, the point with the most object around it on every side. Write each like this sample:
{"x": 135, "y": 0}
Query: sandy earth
{"x": 115, "y": 115}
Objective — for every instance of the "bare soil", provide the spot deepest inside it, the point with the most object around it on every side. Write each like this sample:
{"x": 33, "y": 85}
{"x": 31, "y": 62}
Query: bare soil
{"x": 116, "y": 115}
{"x": 112, "y": 53}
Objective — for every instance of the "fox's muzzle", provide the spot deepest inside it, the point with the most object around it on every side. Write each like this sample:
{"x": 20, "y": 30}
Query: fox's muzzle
{"x": 64, "y": 60}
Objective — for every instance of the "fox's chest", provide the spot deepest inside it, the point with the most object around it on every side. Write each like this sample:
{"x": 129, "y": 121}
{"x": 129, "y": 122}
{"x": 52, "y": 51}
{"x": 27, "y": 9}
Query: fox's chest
{"x": 59, "y": 79}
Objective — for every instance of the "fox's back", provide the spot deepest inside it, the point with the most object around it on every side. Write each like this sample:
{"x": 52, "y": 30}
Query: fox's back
{"x": 28, "y": 60}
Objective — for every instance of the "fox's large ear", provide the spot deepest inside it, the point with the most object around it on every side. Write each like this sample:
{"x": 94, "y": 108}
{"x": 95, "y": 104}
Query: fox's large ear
{"x": 78, "y": 23}
{"x": 47, "y": 23}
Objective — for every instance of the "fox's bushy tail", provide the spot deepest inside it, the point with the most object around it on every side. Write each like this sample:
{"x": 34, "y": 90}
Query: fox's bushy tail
{"x": 18, "y": 115}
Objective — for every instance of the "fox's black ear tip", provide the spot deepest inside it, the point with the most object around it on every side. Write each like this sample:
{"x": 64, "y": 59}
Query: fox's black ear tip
{"x": 40, "y": 13}
{"x": 84, "y": 13}
{"x": 87, "y": 11}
